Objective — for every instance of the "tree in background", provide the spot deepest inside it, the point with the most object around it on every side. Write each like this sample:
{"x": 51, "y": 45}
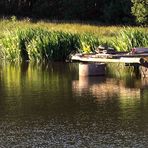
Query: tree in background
{"x": 102, "y": 11}
{"x": 140, "y": 11}
{"x": 117, "y": 11}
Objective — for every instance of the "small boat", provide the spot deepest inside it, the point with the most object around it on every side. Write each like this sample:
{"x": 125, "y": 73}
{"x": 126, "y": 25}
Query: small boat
{"x": 139, "y": 50}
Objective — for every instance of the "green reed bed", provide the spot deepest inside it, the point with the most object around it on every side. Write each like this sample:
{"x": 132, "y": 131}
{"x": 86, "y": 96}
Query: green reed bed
{"x": 39, "y": 41}
{"x": 129, "y": 38}
{"x": 40, "y": 44}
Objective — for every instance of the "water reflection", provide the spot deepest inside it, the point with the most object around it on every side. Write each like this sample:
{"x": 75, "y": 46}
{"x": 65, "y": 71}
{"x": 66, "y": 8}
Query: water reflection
{"x": 104, "y": 88}
{"x": 51, "y": 106}
{"x": 56, "y": 86}
{"x": 144, "y": 82}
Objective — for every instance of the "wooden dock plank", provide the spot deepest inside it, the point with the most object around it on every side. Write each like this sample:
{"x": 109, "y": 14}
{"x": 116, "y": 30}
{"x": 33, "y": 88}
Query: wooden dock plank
{"x": 107, "y": 60}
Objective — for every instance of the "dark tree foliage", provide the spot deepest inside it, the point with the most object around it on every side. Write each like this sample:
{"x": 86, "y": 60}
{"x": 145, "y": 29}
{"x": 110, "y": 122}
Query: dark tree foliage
{"x": 105, "y": 11}
{"x": 140, "y": 11}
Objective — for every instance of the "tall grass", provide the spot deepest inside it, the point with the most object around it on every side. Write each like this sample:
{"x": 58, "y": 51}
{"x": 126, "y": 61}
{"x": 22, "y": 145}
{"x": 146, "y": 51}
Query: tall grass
{"x": 9, "y": 46}
{"x": 55, "y": 40}
{"x": 40, "y": 44}
{"x": 128, "y": 38}
{"x": 55, "y": 25}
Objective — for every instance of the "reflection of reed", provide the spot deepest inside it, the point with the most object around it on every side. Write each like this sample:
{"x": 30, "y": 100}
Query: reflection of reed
{"x": 24, "y": 67}
{"x": 119, "y": 70}
{"x": 109, "y": 88}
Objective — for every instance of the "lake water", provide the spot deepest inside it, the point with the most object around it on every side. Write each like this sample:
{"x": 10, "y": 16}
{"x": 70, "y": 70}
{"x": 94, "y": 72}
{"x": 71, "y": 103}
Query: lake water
{"x": 51, "y": 106}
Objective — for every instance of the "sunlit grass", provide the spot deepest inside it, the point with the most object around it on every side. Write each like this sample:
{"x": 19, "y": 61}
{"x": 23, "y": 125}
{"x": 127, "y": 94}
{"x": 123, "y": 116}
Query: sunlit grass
{"x": 129, "y": 38}
{"x": 99, "y": 30}
{"x": 55, "y": 40}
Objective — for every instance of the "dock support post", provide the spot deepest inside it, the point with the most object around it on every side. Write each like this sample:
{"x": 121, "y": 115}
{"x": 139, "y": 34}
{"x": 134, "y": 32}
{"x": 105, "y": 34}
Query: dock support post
{"x": 92, "y": 69}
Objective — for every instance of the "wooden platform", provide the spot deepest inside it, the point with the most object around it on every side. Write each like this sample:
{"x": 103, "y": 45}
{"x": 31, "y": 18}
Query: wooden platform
{"x": 111, "y": 58}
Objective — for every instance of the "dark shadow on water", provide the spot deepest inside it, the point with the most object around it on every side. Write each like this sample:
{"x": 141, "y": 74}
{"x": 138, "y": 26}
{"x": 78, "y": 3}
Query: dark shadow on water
{"x": 24, "y": 67}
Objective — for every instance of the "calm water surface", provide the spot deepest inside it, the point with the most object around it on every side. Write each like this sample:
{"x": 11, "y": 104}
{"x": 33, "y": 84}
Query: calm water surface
{"x": 51, "y": 106}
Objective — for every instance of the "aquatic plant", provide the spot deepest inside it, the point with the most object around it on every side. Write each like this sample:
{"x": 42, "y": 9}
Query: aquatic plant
{"x": 89, "y": 42}
{"x": 85, "y": 48}
{"x": 53, "y": 45}
{"x": 129, "y": 38}
{"x": 9, "y": 46}
{"x": 56, "y": 40}
{"x": 40, "y": 44}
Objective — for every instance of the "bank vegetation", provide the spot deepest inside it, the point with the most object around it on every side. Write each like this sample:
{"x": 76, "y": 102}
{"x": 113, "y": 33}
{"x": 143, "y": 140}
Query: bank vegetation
{"x": 50, "y": 41}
